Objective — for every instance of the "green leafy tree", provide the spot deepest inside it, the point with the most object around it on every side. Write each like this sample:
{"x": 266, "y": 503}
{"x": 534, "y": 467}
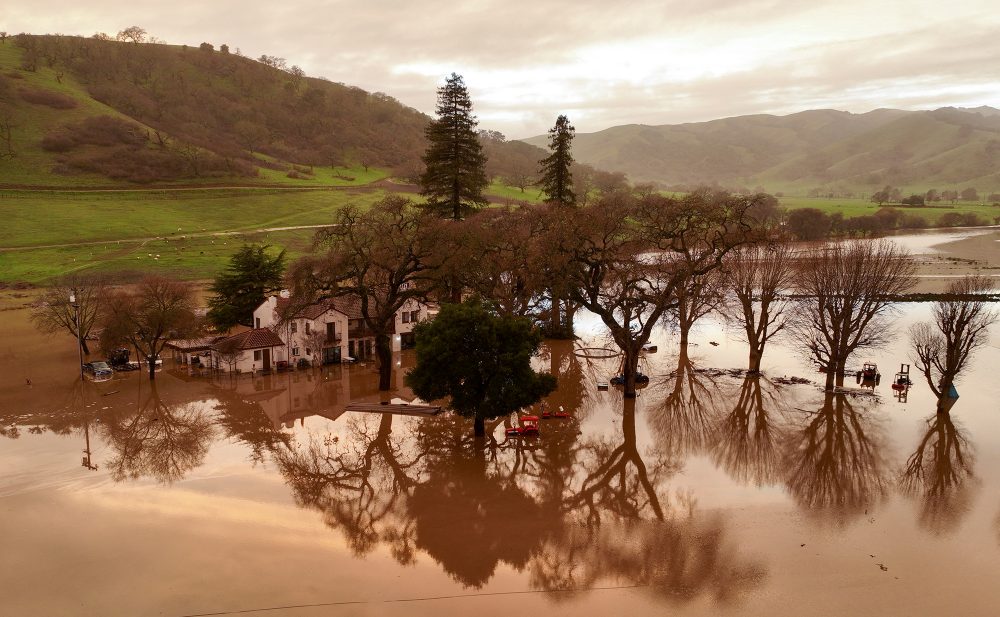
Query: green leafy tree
{"x": 251, "y": 275}
{"x": 455, "y": 174}
{"x": 557, "y": 181}
{"x": 479, "y": 359}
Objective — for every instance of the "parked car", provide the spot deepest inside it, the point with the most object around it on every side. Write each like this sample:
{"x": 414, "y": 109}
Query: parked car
{"x": 99, "y": 370}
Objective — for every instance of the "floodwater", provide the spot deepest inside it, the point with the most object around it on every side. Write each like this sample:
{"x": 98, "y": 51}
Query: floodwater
{"x": 709, "y": 494}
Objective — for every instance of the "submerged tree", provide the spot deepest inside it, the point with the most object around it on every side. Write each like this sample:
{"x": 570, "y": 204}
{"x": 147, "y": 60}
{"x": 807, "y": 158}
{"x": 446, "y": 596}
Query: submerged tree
{"x": 379, "y": 257}
{"x": 55, "y": 312}
{"x": 480, "y": 360}
{"x": 756, "y": 277}
{"x": 455, "y": 174}
{"x": 630, "y": 258}
{"x": 961, "y": 325}
{"x": 556, "y": 178}
{"x": 252, "y": 274}
{"x": 157, "y": 310}
{"x": 848, "y": 293}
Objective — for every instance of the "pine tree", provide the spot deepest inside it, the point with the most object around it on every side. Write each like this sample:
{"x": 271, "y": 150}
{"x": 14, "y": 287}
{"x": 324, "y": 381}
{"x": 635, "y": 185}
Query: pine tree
{"x": 252, "y": 273}
{"x": 557, "y": 181}
{"x": 456, "y": 166}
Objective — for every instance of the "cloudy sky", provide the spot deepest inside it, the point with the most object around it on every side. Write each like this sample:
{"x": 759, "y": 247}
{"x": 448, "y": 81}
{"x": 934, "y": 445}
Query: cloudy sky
{"x": 603, "y": 63}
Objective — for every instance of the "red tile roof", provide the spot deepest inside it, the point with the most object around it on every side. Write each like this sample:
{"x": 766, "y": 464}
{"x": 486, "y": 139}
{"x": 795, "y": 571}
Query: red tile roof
{"x": 257, "y": 338}
{"x": 348, "y": 305}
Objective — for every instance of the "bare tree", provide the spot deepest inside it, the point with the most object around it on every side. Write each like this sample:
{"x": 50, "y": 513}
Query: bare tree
{"x": 756, "y": 278}
{"x": 630, "y": 258}
{"x": 230, "y": 352}
{"x": 961, "y": 326}
{"x": 848, "y": 293}
{"x": 132, "y": 34}
{"x": 748, "y": 439}
{"x": 380, "y": 256}
{"x": 697, "y": 296}
{"x": 157, "y": 310}
{"x": 54, "y": 312}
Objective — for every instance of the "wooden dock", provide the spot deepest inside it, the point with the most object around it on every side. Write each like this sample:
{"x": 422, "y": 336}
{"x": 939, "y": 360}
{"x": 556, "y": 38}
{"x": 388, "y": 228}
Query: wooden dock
{"x": 400, "y": 409}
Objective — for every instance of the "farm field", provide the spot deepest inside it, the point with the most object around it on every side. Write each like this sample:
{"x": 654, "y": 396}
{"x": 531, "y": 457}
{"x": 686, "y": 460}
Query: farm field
{"x": 860, "y": 207}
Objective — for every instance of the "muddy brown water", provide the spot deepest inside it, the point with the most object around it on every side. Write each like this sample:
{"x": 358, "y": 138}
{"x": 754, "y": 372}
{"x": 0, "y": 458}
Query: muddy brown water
{"x": 710, "y": 494}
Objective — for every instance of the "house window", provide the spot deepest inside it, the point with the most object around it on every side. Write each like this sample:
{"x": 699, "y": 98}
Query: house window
{"x": 308, "y": 351}
{"x": 415, "y": 316}
{"x": 295, "y": 351}
{"x": 257, "y": 321}
{"x": 256, "y": 355}
{"x": 308, "y": 330}
{"x": 406, "y": 316}
{"x": 295, "y": 327}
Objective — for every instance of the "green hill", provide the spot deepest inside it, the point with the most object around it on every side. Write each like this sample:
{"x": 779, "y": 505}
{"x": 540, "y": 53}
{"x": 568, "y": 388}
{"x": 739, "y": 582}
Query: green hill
{"x": 840, "y": 151}
{"x": 87, "y": 112}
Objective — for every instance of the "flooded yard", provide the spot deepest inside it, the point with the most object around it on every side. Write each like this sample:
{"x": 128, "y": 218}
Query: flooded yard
{"x": 711, "y": 493}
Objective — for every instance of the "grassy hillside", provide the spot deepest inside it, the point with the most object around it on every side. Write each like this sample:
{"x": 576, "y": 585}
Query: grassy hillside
{"x": 86, "y": 112}
{"x": 839, "y": 151}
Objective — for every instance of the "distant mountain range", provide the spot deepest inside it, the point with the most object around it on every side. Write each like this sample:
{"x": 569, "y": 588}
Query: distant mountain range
{"x": 944, "y": 148}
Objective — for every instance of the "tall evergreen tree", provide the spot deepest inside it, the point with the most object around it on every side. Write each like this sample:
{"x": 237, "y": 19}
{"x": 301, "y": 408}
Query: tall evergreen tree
{"x": 238, "y": 290}
{"x": 456, "y": 166}
{"x": 557, "y": 181}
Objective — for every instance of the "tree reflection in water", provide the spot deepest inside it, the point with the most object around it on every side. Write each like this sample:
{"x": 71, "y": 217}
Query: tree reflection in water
{"x": 572, "y": 513}
{"x": 157, "y": 440}
{"x": 835, "y": 462}
{"x": 621, "y": 528}
{"x": 361, "y": 484}
{"x": 684, "y": 423}
{"x": 940, "y": 473}
{"x": 747, "y": 441}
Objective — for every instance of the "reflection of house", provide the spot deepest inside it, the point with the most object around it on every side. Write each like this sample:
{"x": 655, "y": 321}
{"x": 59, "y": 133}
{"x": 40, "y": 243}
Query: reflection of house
{"x": 248, "y": 351}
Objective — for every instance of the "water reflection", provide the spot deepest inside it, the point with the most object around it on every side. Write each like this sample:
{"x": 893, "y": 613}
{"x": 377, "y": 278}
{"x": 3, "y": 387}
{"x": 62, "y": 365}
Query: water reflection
{"x": 836, "y": 459}
{"x": 748, "y": 439}
{"x": 940, "y": 474}
{"x": 686, "y": 419}
{"x": 157, "y": 440}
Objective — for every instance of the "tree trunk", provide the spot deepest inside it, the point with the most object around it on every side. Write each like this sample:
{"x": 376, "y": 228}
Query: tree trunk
{"x": 152, "y": 368}
{"x": 83, "y": 345}
{"x": 831, "y": 376}
{"x": 479, "y": 426}
{"x": 383, "y": 351}
{"x": 756, "y": 355}
{"x": 630, "y": 367}
{"x": 555, "y": 321}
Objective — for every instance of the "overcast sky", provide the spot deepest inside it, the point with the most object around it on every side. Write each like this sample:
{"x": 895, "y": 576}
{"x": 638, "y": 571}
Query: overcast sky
{"x": 603, "y": 63}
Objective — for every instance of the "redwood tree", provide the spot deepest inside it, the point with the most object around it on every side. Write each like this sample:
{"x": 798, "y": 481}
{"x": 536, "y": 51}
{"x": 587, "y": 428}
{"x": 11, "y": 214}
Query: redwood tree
{"x": 455, "y": 174}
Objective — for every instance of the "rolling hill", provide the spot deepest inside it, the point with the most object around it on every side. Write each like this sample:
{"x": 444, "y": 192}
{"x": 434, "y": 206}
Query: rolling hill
{"x": 86, "y": 112}
{"x": 835, "y": 150}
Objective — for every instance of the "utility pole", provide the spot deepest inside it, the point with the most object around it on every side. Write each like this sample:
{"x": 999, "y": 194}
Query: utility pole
{"x": 76, "y": 321}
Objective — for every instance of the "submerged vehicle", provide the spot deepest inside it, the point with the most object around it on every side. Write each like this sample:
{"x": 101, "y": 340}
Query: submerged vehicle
{"x": 99, "y": 370}
{"x": 868, "y": 374}
{"x": 528, "y": 426}
{"x": 640, "y": 378}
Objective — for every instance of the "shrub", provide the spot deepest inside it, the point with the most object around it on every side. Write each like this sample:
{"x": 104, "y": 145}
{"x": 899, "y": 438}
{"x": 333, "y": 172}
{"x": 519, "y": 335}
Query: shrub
{"x": 809, "y": 224}
{"x": 49, "y": 98}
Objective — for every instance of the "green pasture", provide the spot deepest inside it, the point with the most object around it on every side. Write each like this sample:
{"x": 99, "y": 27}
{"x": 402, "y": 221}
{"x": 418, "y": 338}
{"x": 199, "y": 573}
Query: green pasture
{"x": 860, "y": 207}
{"x": 46, "y": 218}
{"x": 187, "y": 258}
